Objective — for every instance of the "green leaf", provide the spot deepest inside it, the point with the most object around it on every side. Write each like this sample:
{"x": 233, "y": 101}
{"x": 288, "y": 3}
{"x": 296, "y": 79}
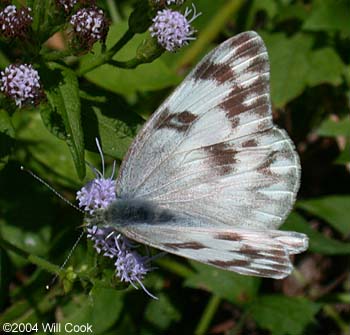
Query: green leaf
{"x": 294, "y": 66}
{"x": 162, "y": 312}
{"x": 39, "y": 11}
{"x": 51, "y": 152}
{"x": 112, "y": 122}
{"x": 287, "y": 68}
{"x": 32, "y": 242}
{"x": 24, "y": 312}
{"x": 325, "y": 66}
{"x": 101, "y": 310}
{"x": 107, "y": 306}
{"x": 65, "y": 100}
{"x": 332, "y": 209}
{"x": 233, "y": 287}
{"x": 146, "y": 77}
{"x": 347, "y": 74}
{"x": 15, "y": 311}
{"x": 344, "y": 157}
{"x": 329, "y": 15}
{"x": 283, "y": 315}
{"x": 4, "y": 61}
{"x": 318, "y": 242}
{"x": 330, "y": 127}
{"x": 141, "y": 18}
{"x": 45, "y": 19}
{"x": 7, "y": 135}
{"x": 53, "y": 121}
{"x": 291, "y": 11}
{"x": 268, "y": 6}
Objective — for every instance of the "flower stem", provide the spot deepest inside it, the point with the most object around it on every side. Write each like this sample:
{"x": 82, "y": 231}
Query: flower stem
{"x": 42, "y": 263}
{"x": 208, "y": 315}
{"x": 332, "y": 313}
{"x": 174, "y": 267}
{"x": 56, "y": 55}
{"x": 107, "y": 56}
{"x": 128, "y": 35}
{"x": 130, "y": 64}
{"x": 344, "y": 297}
{"x": 113, "y": 11}
{"x": 209, "y": 33}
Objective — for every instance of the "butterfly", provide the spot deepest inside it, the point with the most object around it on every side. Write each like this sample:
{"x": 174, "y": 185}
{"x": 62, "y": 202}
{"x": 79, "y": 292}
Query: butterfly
{"x": 209, "y": 177}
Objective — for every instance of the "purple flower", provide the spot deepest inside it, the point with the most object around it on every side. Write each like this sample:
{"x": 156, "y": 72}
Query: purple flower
{"x": 21, "y": 83}
{"x": 66, "y": 4}
{"x": 90, "y": 25}
{"x": 102, "y": 243}
{"x": 13, "y": 22}
{"x": 97, "y": 194}
{"x": 172, "y": 29}
{"x": 130, "y": 266}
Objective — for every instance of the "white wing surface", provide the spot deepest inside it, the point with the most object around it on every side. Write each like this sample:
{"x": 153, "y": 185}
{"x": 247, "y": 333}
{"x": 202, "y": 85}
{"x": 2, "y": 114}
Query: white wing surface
{"x": 211, "y": 149}
{"x": 250, "y": 252}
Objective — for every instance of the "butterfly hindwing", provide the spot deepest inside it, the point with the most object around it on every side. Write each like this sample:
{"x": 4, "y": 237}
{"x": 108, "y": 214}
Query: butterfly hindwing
{"x": 211, "y": 149}
{"x": 251, "y": 252}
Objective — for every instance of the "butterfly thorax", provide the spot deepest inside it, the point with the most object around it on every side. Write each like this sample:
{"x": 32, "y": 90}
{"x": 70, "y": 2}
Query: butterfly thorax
{"x": 133, "y": 211}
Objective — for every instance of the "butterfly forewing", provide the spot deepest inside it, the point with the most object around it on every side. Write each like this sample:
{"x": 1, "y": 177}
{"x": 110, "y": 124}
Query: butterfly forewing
{"x": 211, "y": 148}
{"x": 212, "y": 153}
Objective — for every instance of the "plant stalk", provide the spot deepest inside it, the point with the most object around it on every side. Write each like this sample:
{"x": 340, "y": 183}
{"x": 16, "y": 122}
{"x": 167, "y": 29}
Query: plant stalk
{"x": 108, "y": 55}
{"x": 208, "y": 315}
{"x": 36, "y": 260}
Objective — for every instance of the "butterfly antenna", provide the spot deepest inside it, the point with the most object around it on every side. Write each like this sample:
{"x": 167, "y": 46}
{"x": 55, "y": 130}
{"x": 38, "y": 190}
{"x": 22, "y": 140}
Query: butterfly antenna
{"x": 101, "y": 155}
{"x": 113, "y": 170}
{"x": 51, "y": 188}
{"x": 66, "y": 260}
{"x": 97, "y": 173}
{"x": 70, "y": 204}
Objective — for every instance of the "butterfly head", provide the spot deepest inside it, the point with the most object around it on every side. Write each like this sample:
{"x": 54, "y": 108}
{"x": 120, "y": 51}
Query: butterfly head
{"x": 98, "y": 219}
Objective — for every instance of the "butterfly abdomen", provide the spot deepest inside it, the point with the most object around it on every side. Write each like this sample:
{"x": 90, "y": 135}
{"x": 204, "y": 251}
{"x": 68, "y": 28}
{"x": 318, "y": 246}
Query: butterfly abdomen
{"x": 128, "y": 211}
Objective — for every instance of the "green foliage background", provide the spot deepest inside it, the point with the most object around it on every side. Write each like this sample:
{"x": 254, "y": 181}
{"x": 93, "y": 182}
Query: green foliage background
{"x": 309, "y": 48}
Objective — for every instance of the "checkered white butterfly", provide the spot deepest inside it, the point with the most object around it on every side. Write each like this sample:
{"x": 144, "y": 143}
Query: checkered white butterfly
{"x": 210, "y": 177}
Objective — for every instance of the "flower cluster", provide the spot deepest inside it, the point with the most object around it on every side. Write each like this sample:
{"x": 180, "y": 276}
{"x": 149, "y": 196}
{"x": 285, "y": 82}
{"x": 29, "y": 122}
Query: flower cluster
{"x": 90, "y": 25}
{"x": 172, "y": 29}
{"x": 97, "y": 194}
{"x": 66, "y": 4}
{"x": 130, "y": 266}
{"x": 13, "y": 22}
{"x": 21, "y": 83}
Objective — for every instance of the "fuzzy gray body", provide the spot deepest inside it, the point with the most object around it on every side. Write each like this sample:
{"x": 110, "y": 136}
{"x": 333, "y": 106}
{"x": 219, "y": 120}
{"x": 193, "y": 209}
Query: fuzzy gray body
{"x": 123, "y": 212}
